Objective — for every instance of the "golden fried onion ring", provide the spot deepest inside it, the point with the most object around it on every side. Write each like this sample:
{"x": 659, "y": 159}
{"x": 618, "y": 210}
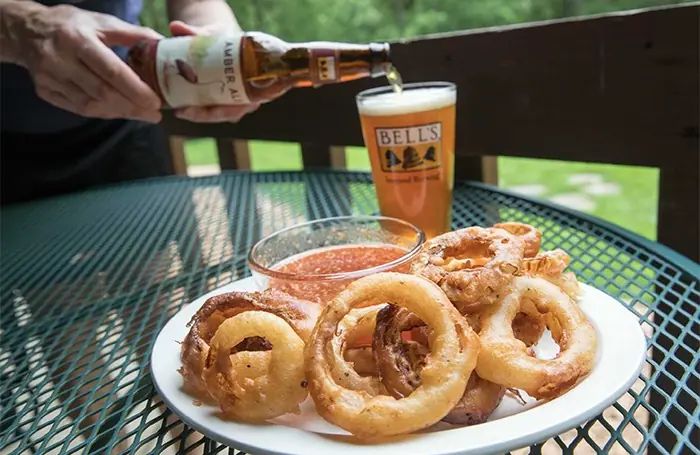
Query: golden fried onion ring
{"x": 528, "y": 328}
{"x": 351, "y": 330}
{"x": 359, "y": 324}
{"x": 362, "y": 360}
{"x": 250, "y": 365}
{"x": 530, "y": 236}
{"x": 567, "y": 282}
{"x": 547, "y": 263}
{"x": 504, "y": 360}
{"x": 300, "y": 314}
{"x": 444, "y": 376}
{"x": 449, "y": 261}
{"x": 479, "y": 401}
{"x": 400, "y": 363}
{"x": 551, "y": 266}
{"x": 270, "y": 395}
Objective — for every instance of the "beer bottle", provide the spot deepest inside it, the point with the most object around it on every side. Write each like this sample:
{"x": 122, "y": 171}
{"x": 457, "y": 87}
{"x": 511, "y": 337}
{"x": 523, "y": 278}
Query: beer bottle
{"x": 248, "y": 67}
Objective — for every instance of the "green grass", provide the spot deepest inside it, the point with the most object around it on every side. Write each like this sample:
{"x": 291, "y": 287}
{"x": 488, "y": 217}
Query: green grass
{"x": 268, "y": 156}
{"x": 357, "y": 159}
{"x": 633, "y": 208}
{"x": 200, "y": 152}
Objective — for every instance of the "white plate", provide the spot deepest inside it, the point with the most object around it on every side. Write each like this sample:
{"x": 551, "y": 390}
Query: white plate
{"x": 621, "y": 353}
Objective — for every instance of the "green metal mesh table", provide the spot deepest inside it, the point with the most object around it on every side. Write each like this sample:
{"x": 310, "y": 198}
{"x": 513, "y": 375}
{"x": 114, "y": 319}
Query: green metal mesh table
{"x": 88, "y": 281}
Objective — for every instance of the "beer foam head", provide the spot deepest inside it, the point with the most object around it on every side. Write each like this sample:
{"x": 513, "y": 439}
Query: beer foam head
{"x": 414, "y": 100}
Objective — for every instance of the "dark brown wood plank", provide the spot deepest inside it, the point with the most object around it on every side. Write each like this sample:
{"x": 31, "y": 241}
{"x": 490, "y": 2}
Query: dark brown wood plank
{"x": 679, "y": 229}
{"x": 675, "y": 371}
{"x": 233, "y": 154}
{"x": 318, "y": 155}
{"x": 619, "y": 88}
{"x": 679, "y": 205}
{"x": 226, "y": 152}
{"x": 315, "y": 155}
{"x": 477, "y": 168}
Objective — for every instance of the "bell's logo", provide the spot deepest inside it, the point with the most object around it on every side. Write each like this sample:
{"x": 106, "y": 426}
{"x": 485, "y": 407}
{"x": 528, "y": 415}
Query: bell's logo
{"x": 326, "y": 68}
{"x": 410, "y": 149}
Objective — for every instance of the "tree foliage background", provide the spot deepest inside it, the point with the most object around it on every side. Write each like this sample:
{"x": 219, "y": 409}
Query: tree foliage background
{"x": 367, "y": 20}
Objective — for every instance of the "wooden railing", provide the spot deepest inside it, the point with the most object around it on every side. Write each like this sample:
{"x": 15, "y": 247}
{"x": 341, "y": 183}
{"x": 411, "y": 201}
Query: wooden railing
{"x": 617, "y": 88}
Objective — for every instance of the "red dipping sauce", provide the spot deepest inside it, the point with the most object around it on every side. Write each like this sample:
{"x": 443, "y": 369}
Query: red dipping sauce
{"x": 333, "y": 260}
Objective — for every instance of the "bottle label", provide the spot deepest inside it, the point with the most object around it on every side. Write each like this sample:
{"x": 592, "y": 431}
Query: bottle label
{"x": 201, "y": 71}
{"x": 324, "y": 66}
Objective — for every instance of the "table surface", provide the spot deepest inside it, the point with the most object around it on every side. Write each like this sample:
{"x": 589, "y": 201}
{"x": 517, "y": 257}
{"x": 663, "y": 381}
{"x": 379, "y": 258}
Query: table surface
{"x": 88, "y": 281}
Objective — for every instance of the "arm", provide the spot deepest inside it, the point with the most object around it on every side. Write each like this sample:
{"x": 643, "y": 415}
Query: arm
{"x": 212, "y": 14}
{"x": 12, "y": 14}
{"x": 66, "y": 51}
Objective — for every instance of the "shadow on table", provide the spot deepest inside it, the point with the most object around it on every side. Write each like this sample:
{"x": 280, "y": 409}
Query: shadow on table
{"x": 90, "y": 279}
{"x": 93, "y": 277}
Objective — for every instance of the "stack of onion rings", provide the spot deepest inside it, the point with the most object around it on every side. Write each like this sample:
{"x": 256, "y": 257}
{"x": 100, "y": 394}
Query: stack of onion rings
{"x": 461, "y": 255}
{"x": 395, "y": 353}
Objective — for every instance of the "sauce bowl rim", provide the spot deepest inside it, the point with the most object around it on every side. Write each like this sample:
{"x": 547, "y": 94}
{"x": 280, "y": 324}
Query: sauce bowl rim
{"x": 290, "y": 276}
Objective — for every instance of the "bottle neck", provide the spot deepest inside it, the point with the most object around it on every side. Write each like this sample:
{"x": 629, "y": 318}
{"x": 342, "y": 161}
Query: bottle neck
{"x": 321, "y": 63}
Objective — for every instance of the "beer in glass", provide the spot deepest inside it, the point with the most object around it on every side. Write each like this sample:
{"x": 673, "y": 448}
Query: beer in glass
{"x": 410, "y": 136}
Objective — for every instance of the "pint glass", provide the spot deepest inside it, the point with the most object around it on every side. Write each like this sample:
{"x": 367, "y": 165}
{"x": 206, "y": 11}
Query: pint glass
{"x": 410, "y": 137}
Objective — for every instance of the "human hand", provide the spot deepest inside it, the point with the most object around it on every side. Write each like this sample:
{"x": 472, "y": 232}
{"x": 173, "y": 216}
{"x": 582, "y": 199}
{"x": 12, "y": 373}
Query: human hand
{"x": 66, "y": 51}
{"x": 208, "y": 114}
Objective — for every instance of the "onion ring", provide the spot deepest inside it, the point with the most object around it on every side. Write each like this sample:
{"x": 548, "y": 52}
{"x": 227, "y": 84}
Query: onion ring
{"x": 551, "y": 265}
{"x": 359, "y": 324}
{"x": 354, "y": 326}
{"x": 451, "y": 260}
{"x": 444, "y": 377}
{"x": 528, "y": 328}
{"x": 548, "y": 263}
{"x": 568, "y": 283}
{"x": 362, "y": 360}
{"x": 479, "y": 401}
{"x": 300, "y": 314}
{"x": 275, "y": 393}
{"x": 400, "y": 363}
{"x": 505, "y": 360}
{"x": 250, "y": 364}
{"x": 422, "y": 334}
{"x": 531, "y": 237}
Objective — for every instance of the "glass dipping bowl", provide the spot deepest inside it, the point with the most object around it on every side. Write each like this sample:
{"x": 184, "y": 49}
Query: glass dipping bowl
{"x": 317, "y": 259}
